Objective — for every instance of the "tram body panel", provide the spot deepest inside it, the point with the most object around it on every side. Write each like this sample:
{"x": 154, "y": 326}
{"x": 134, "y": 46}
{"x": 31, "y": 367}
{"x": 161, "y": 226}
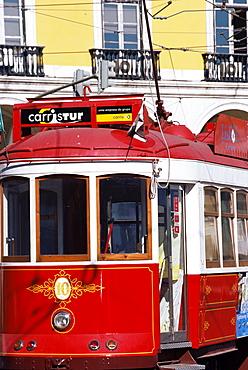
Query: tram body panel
{"x": 212, "y": 308}
{"x": 117, "y": 302}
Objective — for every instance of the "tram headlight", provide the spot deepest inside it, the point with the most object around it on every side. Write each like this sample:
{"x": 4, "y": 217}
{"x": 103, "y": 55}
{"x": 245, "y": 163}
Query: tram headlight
{"x": 18, "y": 345}
{"x": 111, "y": 344}
{"x": 31, "y": 345}
{"x": 61, "y": 320}
{"x": 94, "y": 345}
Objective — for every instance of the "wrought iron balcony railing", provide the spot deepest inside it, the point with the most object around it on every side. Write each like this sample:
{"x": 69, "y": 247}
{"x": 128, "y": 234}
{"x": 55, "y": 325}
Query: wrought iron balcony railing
{"x": 129, "y": 64}
{"x": 225, "y": 67}
{"x": 17, "y": 60}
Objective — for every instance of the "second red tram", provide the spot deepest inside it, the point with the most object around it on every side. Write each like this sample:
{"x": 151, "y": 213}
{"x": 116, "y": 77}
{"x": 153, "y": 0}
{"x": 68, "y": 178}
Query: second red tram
{"x": 120, "y": 251}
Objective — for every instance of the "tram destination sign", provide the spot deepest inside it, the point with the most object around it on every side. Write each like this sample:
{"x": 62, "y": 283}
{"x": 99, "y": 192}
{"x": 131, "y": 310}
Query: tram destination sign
{"x": 231, "y": 137}
{"x": 119, "y": 113}
{"x": 90, "y": 111}
{"x": 50, "y": 116}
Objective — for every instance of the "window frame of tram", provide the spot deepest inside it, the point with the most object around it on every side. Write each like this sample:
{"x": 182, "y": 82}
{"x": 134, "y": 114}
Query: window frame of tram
{"x": 226, "y": 237}
{"x": 15, "y": 205}
{"x": 124, "y": 217}
{"x": 242, "y": 227}
{"x": 62, "y": 209}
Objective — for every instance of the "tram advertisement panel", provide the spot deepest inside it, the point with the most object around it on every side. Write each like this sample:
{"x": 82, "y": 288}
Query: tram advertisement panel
{"x": 242, "y": 314}
{"x": 231, "y": 137}
{"x": 55, "y": 115}
{"x": 114, "y": 114}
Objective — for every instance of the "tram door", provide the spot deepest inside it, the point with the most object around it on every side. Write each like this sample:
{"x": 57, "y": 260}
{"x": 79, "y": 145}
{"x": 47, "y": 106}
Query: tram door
{"x": 172, "y": 264}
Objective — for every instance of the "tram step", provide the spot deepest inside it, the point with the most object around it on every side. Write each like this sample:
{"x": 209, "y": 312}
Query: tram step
{"x": 182, "y": 367}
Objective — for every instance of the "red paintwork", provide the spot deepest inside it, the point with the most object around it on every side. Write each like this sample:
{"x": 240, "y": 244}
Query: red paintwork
{"x": 231, "y": 137}
{"x": 212, "y": 304}
{"x": 125, "y": 309}
{"x": 180, "y": 131}
{"x": 102, "y": 142}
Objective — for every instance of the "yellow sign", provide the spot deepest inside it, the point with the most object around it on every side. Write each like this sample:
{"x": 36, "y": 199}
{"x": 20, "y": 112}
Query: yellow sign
{"x": 62, "y": 288}
{"x": 114, "y": 117}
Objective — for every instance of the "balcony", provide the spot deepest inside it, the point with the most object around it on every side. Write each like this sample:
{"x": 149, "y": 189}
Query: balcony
{"x": 225, "y": 67}
{"x": 17, "y": 60}
{"x": 130, "y": 64}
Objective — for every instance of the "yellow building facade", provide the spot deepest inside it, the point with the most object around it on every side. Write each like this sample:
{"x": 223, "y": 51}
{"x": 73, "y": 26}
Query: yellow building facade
{"x": 69, "y": 30}
{"x": 66, "y": 29}
{"x": 200, "y": 47}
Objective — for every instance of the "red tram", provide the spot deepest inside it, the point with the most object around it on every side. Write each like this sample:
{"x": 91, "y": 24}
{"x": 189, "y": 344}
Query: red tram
{"x": 120, "y": 251}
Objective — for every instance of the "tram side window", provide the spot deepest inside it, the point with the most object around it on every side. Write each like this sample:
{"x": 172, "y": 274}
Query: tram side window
{"x": 242, "y": 227}
{"x": 227, "y": 217}
{"x": 123, "y": 214}
{"x": 211, "y": 227}
{"x": 62, "y": 221}
{"x": 16, "y": 218}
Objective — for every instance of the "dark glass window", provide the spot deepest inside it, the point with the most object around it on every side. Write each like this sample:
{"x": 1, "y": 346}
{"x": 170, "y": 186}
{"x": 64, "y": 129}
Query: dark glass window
{"x": 211, "y": 227}
{"x": 227, "y": 215}
{"x": 230, "y": 27}
{"x": 242, "y": 227}
{"x": 63, "y": 216}
{"x": 16, "y": 217}
{"x": 123, "y": 215}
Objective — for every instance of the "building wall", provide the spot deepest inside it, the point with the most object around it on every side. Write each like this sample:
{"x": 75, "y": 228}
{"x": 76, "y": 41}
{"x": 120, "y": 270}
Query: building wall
{"x": 185, "y": 27}
{"x": 67, "y": 32}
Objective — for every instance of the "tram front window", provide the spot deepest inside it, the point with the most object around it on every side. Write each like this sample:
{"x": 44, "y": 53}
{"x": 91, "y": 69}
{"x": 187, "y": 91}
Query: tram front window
{"x": 16, "y": 218}
{"x": 62, "y": 217}
{"x": 123, "y": 217}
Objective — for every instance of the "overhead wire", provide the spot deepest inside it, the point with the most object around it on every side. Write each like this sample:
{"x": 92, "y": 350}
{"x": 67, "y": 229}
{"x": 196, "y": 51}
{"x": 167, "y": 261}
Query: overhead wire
{"x": 105, "y": 28}
{"x": 180, "y": 97}
{"x": 163, "y": 47}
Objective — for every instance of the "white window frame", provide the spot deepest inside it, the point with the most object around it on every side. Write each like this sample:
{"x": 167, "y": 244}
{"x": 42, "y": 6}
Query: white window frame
{"x": 98, "y": 25}
{"x": 18, "y": 17}
{"x": 210, "y": 21}
{"x": 30, "y": 22}
{"x": 120, "y": 23}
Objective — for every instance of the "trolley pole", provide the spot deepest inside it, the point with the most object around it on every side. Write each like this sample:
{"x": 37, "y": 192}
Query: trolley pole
{"x": 162, "y": 114}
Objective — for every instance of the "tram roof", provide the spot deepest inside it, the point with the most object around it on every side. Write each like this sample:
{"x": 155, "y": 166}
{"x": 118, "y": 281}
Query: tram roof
{"x": 114, "y": 144}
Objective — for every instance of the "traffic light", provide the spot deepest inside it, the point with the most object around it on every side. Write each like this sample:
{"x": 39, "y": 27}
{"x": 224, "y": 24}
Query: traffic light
{"x": 79, "y": 75}
{"x": 106, "y": 72}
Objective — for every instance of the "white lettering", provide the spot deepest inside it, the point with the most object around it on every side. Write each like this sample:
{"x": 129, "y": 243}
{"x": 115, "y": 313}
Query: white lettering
{"x": 80, "y": 115}
{"x": 37, "y": 117}
{"x": 31, "y": 117}
{"x": 73, "y": 116}
{"x": 66, "y": 115}
{"x": 60, "y": 117}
